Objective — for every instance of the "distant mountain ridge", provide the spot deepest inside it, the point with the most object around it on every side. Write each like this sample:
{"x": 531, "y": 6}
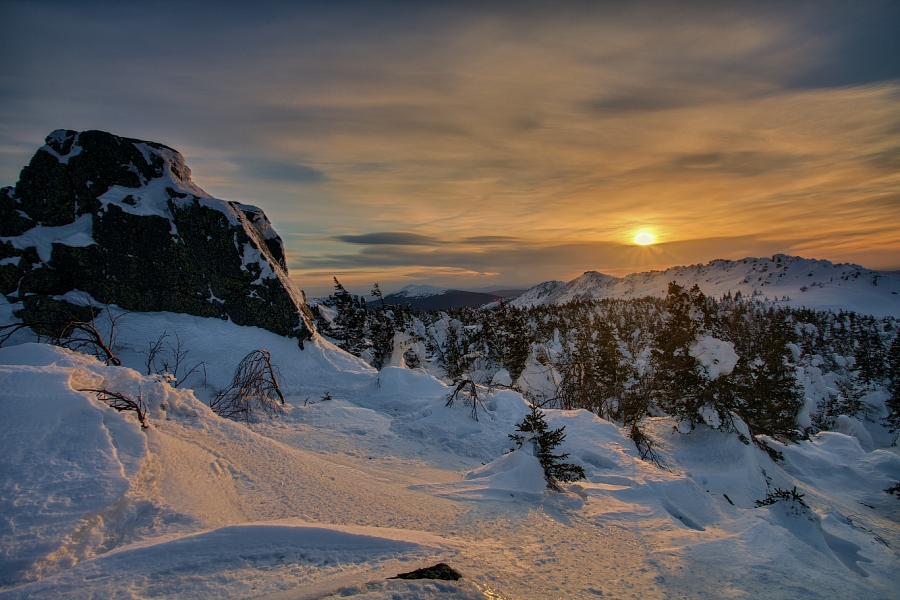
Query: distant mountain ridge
{"x": 429, "y": 297}
{"x": 782, "y": 279}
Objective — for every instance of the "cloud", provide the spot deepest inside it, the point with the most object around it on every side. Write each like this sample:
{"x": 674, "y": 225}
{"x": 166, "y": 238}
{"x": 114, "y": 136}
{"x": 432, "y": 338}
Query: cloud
{"x": 638, "y": 101}
{"x": 392, "y": 238}
{"x": 524, "y": 140}
{"x": 512, "y": 259}
{"x": 280, "y": 171}
{"x": 742, "y": 163}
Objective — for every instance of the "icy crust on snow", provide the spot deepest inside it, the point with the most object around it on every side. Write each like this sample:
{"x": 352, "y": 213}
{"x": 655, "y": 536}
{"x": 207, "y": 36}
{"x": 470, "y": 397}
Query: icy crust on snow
{"x": 519, "y": 470}
{"x": 838, "y": 462}
{"x": 785, "y": 280}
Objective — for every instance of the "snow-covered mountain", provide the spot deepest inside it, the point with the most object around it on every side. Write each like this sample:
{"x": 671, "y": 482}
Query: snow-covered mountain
{"x": 781, "y": 279}
{"x": 418, "y": 291}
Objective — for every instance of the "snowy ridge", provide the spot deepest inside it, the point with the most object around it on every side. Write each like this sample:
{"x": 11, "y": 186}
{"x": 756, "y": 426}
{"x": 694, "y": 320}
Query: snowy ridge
{"x": 420, "y": 291}
{"x": 785, "y": 280}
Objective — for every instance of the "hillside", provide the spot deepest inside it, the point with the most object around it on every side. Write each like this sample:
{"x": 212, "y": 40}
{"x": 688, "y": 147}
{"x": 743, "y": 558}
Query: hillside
{"x": 783, "y": 280}
{"x": 330, "y": 497}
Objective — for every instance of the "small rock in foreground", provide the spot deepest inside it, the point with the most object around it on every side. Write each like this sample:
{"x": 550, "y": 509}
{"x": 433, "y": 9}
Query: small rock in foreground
{"x": 438, "y": 571}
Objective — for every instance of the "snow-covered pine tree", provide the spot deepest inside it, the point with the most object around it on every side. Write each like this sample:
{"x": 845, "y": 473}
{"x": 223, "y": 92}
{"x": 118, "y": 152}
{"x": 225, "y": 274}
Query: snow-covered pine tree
{"x": 506, "y": 337}
{"x": 454, "y": 352}
{"x": 893, "y": 373}
{"x": 679, "y": 379}
{"x": 376, "y": 292}
{"x": 381, "y": 335}
{"x": 359, "y": 330}
{"x": 578, "y": 386}
{"x": 767, "y": 394}
{"x": 868, "y": 350}
{"x": 534, "y": 429}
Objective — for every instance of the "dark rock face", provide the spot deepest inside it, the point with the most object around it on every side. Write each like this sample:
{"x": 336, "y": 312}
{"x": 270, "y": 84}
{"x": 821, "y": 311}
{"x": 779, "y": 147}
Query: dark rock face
{"x": 121, "y": 220}
{"x": 441, "y": 571}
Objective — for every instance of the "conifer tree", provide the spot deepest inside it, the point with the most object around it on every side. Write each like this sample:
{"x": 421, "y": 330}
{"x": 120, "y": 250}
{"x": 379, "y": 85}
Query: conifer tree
{"x": 893, "y": 373}
{"x": 381, "y": 336}
{"x": 578, "y": 386}
{"x": 678, "y": 377}
{"x": 534, "y": 429}
{"x": 868, "y": 350}
{"x": 349, "y": 325}
{"x": 768, "y": 396}
{"x": 376, "y": 292}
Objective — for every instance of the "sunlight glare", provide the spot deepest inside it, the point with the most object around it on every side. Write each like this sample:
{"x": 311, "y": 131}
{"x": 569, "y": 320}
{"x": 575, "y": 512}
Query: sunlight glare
{"x": 644, "y": 239}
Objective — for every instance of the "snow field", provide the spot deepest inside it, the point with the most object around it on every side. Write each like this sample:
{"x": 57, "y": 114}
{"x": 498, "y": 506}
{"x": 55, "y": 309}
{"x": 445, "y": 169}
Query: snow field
{"x": 334, "y": 495}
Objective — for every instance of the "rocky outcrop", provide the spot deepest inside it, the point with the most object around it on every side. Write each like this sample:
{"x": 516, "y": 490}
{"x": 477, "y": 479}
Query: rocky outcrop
{"x": 121, "y": 220}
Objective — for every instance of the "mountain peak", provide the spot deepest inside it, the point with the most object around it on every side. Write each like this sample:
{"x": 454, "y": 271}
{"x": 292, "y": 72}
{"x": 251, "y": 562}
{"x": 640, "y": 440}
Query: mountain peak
{"x": 781, "y": 279}
{"x": 420, "y": 291}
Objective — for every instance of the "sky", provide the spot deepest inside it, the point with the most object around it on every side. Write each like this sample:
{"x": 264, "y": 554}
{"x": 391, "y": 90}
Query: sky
{"x": 492, "y": 144}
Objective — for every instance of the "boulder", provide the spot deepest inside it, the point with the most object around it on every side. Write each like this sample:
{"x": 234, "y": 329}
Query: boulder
{"x": 120, "y": 220}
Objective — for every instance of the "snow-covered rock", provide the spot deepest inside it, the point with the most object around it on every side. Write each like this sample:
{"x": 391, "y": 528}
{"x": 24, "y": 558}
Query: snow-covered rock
{"x": 121, "y": 220}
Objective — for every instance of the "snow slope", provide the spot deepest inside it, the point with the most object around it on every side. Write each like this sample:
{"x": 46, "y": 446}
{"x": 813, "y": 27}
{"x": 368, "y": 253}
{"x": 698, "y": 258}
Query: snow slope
{"x": 333, "y": 496}
{"x": 785, "y": 280}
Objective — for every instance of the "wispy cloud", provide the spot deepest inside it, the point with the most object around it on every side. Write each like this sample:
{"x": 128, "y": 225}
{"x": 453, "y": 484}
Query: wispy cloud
{"x": 530, "y": 141}
{"x": 277, "y": 170}
{"x": 390, "y": 238}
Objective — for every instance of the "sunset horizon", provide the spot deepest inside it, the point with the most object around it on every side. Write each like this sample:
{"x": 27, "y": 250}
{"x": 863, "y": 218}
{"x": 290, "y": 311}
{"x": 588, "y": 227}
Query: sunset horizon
{"x": 471, "y": 146}
{"x": 450, "y": 300}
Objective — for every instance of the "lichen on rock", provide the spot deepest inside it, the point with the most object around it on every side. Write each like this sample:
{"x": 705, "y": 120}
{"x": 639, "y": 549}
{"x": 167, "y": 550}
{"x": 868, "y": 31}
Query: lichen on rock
{"x": 153, "y": 240}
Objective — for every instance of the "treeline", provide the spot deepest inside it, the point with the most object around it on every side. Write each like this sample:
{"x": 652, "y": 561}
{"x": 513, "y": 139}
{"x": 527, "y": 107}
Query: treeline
{"x": 732, "y": 364}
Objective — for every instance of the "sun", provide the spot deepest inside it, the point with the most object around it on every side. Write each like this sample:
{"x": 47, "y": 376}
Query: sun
{"x": 644, "y": 238}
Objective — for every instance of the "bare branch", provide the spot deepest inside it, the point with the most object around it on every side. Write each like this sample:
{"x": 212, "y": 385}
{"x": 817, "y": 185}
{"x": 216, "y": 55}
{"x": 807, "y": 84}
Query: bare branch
{"x": 74, "y": 335}
{"x": 122, "y": 402}
{"x": 152, "y": 353}
{"x": 254, "y": 387}
{"x": 171, "y": 366}
{"x": 470, "y": 396}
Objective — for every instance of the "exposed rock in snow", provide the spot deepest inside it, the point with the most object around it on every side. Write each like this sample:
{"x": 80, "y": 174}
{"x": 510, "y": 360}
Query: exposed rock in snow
{"x": 120, "y": 220}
